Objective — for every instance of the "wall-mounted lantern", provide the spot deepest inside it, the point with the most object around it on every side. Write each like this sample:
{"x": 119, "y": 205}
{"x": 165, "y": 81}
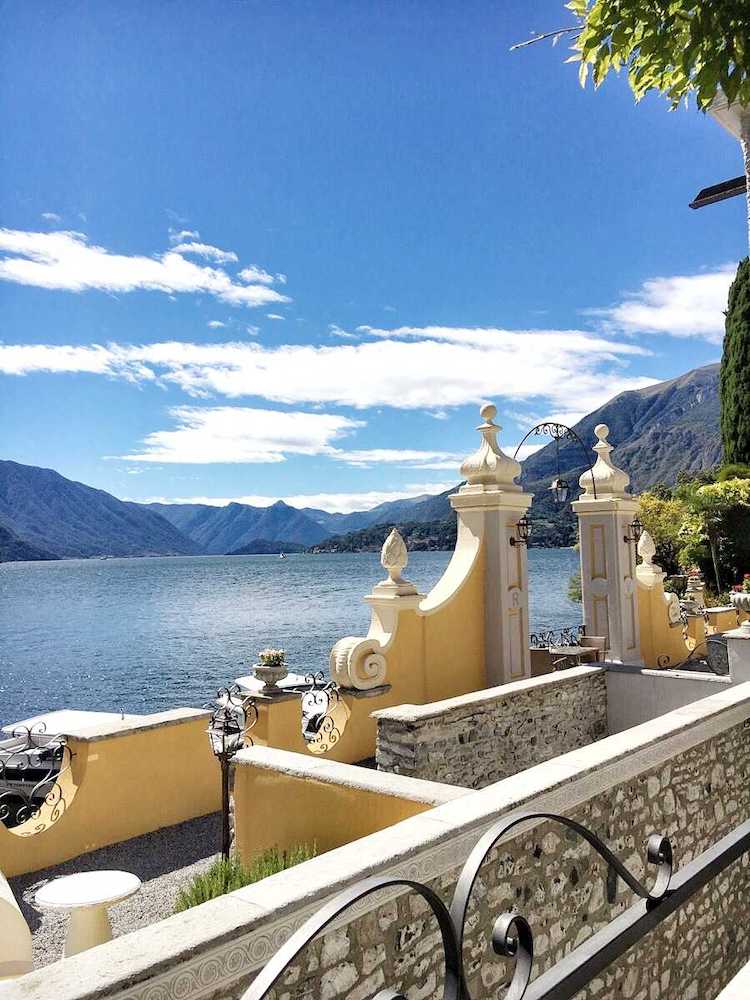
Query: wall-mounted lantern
{"x": 232, "y": 715}
{"x": 634, "y": 532}
{"x": 523, "y": 530}
{"x": 560, "y": 489}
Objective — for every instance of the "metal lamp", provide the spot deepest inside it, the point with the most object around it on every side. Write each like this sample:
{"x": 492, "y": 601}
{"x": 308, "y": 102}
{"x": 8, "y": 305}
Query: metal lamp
{"x": 523, "y": 530}
{"x": 231, "y": 717}
{"x": 635, "y": 530}
{"x": 560, "y": 489}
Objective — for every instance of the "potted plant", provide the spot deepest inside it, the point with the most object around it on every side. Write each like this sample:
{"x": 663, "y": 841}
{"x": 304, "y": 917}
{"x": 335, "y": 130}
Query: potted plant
{"x": 271, "y": 667}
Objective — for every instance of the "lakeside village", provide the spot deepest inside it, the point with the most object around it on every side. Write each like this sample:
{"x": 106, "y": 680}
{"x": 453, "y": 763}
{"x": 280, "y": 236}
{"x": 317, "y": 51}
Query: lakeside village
{"x": 456, "y": 810}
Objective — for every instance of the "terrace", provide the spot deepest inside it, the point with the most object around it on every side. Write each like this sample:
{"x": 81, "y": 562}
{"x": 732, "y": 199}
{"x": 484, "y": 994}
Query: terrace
{"x": 441, "y": 693}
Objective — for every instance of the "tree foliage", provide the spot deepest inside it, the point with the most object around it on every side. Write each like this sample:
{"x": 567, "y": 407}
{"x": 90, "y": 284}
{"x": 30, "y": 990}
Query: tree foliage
{"x": 673, "y": 46}
{"x": 735, "y": 370}
{"x": 662, "y": 516}
{"x": 701, "y": 522}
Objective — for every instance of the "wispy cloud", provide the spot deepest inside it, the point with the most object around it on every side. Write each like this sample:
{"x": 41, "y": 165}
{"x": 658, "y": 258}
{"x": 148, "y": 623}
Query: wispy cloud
{"x": 410, "y": 373}
{"x": 236, "y": 434}
{"x": 51, "y": 217}
{"x": 215, "y": 324}
{"x": 66, "y": 260}
{"x": 689, "y": 305}
{"x": 180, "y": 235}
{"x": 274, "y": 316}
{"x": 207, "y": 251}
{"x": 343, "y": 503}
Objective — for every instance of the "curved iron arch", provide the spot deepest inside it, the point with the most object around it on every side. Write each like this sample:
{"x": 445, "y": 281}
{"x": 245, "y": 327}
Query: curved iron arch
{"x": 512, "y": 936}
{"x": 549, "y": 428}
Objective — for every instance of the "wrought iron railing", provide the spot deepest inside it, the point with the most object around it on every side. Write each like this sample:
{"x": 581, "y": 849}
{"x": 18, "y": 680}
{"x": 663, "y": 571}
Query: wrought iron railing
{"x": 545, "y": 638}
{"x": 512, "y": 935}
{"x": 31, "y": 764}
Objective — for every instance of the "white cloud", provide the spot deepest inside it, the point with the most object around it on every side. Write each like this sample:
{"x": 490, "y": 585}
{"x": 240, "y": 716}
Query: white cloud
{"x": 179, "y": 236}
{"x": 51, "y": 217}
{"x": 426, "y": 374}
{"x": 524, "y": 451}
{"x": 207, "y": 251}
{"x": 65, "y": 260}
{"x": 256, "y": 276}
{"x": 252, "y": 331}
{"x": 335, "y": 330}
{"x": 242, "y": 434}
{"x": 341, "y": 503}
{"x": 409, "y": 457}
{"x": 235, "y": 434}
{"x": 680, "y": 306}
{"x": 274, "y": 316}
{"x": 216, "y": 324}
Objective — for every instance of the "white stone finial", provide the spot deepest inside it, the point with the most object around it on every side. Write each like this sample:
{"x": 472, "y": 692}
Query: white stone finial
{"x": 393, "y": 559}
{"x": 647, "y": 549}
{"x": 489, "y": 465}
{"x": 394, "y": 556}
{"x": 610, "y": 481}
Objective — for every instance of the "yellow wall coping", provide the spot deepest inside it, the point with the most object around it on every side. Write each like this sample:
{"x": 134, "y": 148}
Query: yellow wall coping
{"x": 365, "y": 779}
{"x": 87, "y": 727}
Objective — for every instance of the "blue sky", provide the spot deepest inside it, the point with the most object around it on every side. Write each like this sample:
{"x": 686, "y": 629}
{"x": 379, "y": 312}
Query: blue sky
{"x": 269, "y": 251}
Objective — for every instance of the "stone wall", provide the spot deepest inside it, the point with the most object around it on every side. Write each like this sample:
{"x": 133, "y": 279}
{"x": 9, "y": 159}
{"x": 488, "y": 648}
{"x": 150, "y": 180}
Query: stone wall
{"x": 684, "y": 774}
{"x": 480, "y": 738}
{"x": 561, "y": 886}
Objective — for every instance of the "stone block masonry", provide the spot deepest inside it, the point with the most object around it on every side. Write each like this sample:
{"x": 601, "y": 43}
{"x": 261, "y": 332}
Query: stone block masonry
{"x": 563, "y": 889}
{"x": 477, "y": 739}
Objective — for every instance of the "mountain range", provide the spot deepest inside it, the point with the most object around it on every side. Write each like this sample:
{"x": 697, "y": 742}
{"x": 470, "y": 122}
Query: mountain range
{"x": 658, "y": 431}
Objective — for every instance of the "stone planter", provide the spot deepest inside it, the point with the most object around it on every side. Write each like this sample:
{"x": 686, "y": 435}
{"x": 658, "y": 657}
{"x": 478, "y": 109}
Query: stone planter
{"x": 270, "y": 675}
{"x": 741, "y": 602}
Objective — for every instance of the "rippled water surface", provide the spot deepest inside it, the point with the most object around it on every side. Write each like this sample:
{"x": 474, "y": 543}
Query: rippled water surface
{"x": 143, "y": 635}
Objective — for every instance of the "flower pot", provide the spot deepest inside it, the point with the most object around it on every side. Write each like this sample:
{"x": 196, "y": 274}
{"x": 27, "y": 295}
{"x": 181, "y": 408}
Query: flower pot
{"x": 270, "y": 675}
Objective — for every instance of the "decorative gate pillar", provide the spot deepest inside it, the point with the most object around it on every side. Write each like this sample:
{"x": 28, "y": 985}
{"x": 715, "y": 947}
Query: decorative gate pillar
{"x": 492, "y": 497}
{"x": 608, "y": 555}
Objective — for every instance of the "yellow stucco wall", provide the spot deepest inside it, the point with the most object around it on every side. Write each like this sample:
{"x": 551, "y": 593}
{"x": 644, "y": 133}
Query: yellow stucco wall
{"x": 276, "y": 809}
{"x": 454, "y": 641}
{"x": 119, "y": 787}
{"x": 662, "y": 644}
{"x": 433, "y": 655}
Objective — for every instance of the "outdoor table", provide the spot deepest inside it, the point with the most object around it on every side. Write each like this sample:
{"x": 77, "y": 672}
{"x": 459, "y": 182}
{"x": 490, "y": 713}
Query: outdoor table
{"x": 574, "y": 653}
{"x": 87, "y": 895}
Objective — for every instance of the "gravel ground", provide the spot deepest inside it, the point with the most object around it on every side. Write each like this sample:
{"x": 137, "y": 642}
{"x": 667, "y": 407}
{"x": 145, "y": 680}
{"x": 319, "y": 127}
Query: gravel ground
{"x": 164, "y": 861}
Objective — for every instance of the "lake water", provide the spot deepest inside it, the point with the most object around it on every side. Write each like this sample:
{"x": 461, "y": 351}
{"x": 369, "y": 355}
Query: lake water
{"x": 143, "y": 635}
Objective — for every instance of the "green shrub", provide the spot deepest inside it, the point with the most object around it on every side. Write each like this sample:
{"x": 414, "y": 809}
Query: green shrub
{"x": 736, "y": 470}
{"x": 574, "y": 588}
{"x": 226, "y": 875}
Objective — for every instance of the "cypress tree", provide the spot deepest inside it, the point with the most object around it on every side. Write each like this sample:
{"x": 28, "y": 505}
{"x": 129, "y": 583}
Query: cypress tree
{"x": 735, "y": 370}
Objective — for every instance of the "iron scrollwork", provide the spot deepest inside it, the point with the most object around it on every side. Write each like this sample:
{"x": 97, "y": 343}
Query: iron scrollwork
{"x": 546, "y": 638}
{"x": 512, "y": 936}
{"x": 560, "y": 432}
{"x": 324, "y": 713}
{"x": 31, "y": 763}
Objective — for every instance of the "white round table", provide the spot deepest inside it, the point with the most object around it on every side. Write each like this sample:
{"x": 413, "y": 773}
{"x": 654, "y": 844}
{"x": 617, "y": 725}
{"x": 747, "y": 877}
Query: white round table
{"x": 87, "y": 896}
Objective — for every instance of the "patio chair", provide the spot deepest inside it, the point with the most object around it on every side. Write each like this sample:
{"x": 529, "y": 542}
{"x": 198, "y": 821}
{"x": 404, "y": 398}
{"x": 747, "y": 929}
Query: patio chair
{"x": 597, "y": 642}
{"x": 15, "y": 936}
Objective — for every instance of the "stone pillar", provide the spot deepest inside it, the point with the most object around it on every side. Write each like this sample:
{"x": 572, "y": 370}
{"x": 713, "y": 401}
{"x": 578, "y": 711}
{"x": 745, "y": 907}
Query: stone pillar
{"x": 492, "y": 496}
{"x": 610, "y": 603}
